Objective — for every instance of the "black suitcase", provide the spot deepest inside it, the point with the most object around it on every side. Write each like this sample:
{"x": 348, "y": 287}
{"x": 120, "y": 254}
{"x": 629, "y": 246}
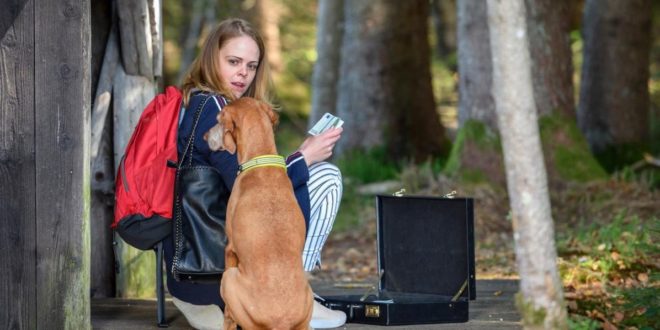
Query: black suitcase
{"x": 426, "y": 262}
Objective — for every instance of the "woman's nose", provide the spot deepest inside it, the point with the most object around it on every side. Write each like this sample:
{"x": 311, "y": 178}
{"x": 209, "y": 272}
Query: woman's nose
{"x": 243, "y": 71}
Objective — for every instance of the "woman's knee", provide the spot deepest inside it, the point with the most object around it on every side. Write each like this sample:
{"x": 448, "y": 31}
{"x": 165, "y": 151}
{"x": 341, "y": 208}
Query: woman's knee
{"x": 325, "y": 171}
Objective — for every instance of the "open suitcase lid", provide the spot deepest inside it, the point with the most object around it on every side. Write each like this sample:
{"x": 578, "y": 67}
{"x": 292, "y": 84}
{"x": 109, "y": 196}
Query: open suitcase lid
{"x": 426, "y": 245}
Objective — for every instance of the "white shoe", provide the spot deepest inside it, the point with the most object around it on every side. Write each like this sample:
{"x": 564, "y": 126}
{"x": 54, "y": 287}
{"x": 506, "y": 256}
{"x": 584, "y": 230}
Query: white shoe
{"x": 324, "y": 318}
{"x": 202, "y": 317}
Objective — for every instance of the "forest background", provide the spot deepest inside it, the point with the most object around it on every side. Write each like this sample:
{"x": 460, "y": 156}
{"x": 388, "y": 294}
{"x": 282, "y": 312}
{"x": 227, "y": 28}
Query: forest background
{"x": 414, "y": 84}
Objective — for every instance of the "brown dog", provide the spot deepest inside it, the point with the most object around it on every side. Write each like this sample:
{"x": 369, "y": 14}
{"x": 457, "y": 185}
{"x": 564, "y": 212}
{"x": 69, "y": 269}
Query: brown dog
{"x": 264, "y": 284}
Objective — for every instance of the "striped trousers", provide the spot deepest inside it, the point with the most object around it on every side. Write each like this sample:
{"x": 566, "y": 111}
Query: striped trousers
{"x": 325, "y": 189}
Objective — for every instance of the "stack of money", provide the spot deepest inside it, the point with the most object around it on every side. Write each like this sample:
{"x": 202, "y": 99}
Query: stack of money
{"x": 326, "y": 122}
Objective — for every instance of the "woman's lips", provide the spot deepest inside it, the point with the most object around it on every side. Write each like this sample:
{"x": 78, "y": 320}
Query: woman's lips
{"x": 238, "y": 84}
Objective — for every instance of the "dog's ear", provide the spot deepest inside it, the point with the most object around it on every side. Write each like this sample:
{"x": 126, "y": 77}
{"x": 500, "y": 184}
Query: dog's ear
{"x": 227, "y": 122}
{"x": 214, "y": 137}
{"x": 272, "y": 114}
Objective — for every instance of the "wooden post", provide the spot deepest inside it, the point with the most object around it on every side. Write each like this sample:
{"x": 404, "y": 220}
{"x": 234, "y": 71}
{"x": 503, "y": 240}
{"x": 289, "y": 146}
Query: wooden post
{"x": 44, "y": 167}
{"x": 105, "y": 58}
{"x": 135, "y": 29}
{"x": 136, "y": 276}
{"x": 18, "y": 293}
{"x": 133, "y": 87}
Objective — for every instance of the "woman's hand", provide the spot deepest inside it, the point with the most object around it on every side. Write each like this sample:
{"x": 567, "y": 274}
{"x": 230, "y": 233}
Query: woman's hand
{"x": 319, "y": 148}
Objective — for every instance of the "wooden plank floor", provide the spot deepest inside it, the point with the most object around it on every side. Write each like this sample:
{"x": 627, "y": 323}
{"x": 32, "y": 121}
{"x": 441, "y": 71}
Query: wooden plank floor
{"x": 493, "y": 309}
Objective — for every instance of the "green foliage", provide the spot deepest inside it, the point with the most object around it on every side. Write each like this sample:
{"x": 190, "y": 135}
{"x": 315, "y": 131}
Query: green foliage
{"x": 417, "y": 177}
{"x": 577, "y": 45}
{"x": 531, "y": 316}
{"x": 646, "y": 301}
{"x": 615, "y": 265}
{"x": 649, "y": 176}
{"x": 368, "y": 166}
{"x": 654, "y": 83}
{"x": 579, "y": 322}
{"x": 298, "y": 46}
{"x": 355, "y": 208}
{"x": 617, "y": 157}
{"x": 444, "y": 81}
{"x": 623, "y": 245}
{"x": 445, "y": 89}
{"x": 288, "y": 137}
{"x": 572, "y": 158}
{"x": 475, "y": 132}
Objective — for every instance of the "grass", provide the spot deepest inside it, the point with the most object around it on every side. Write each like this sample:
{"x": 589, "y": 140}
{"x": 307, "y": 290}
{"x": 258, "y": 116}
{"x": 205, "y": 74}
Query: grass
{"x": 610, "y": 272}
{"x": 368, "y": 166}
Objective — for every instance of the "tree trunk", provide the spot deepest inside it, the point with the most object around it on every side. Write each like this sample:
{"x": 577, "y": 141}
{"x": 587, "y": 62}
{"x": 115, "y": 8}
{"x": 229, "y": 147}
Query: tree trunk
{"x": 540, "y": 300}
{"x": 552, "y": 64}
{"x": 443, "y": 13}
{"x": 190, "y": 43}
{"x": 475, "y": 65}
{"x": 567, "y": 157}
{"x": 267, "y": 19}
{"x": 476, "y": 153}
{"x": 329, "y": 30}
{"x": 385, "y": 95}
{"x": 614, "y": 98}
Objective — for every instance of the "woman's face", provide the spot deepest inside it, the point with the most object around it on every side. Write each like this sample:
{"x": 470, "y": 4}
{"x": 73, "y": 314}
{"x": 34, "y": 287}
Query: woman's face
{"x": 239, "y": 59}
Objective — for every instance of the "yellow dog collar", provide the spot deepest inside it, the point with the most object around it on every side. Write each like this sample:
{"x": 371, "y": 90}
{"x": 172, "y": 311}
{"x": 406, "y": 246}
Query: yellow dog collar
{"x": 262, "y": 161}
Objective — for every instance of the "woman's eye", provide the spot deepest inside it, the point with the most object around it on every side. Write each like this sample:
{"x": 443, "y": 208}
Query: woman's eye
{"x": 252, "y": 67}
{"x": 233, "y": 61}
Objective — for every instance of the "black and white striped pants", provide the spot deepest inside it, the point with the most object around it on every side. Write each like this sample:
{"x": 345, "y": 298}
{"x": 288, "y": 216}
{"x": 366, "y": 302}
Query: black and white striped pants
{"x": 325, "y": 189}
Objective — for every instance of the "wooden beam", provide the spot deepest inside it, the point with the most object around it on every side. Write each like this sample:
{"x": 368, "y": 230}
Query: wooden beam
{"x": 10, "y": 10}
{"x": 135, "y": 29}
{"x": 104, "y": 92}
{"x": 17, "y": 174}
{"x": 62, "y": 135}
{"x": 156, "y": 36}
{"x": 131, "y": 94}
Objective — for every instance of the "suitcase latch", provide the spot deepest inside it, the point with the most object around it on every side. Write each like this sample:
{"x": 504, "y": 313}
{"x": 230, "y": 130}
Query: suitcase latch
{"x": 372, "y": 311}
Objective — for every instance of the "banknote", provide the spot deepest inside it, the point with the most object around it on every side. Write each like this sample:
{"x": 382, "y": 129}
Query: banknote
{"x": 327, "y": 121}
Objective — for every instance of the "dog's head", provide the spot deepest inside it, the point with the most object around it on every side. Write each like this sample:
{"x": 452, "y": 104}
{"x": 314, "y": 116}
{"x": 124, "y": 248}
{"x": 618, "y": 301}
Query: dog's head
{"x": 239, "y": 114}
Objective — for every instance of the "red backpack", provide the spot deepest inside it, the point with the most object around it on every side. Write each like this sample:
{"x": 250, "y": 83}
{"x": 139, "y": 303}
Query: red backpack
{"x": 144, "y": 185}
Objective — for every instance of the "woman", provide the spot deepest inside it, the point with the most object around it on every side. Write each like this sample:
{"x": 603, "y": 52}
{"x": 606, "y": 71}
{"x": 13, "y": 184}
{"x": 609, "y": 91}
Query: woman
{"x": 232, "y": 64}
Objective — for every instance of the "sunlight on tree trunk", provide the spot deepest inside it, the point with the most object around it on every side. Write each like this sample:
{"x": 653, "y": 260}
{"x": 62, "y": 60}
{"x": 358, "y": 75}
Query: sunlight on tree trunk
{"x": 540, "y": 300}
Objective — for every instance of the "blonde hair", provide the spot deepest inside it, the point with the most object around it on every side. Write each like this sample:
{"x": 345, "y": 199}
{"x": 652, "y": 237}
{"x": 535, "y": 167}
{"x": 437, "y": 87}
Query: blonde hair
{"x": 203, "y": 73}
